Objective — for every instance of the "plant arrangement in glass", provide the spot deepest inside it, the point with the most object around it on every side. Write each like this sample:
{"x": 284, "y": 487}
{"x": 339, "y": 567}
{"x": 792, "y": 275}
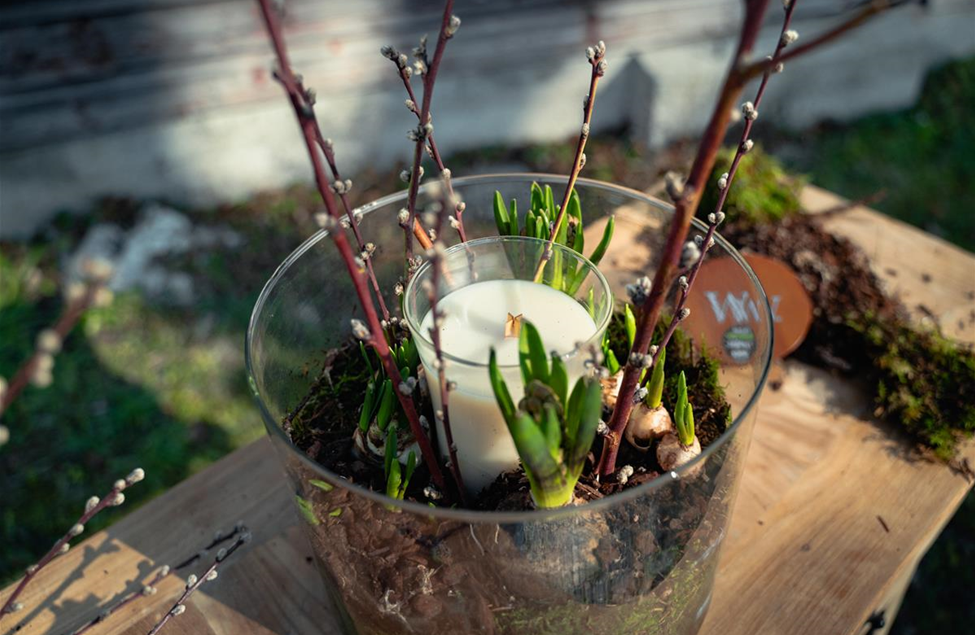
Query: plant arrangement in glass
{"x": 521, "y": 437}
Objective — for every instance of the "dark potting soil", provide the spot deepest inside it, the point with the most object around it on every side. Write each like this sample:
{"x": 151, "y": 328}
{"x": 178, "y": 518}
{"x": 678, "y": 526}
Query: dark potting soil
{"x": 838, "y": 278}
{"x": 923, "y": 382}
{"x": 632, "y": 568}
{"x": 322, "y": 425}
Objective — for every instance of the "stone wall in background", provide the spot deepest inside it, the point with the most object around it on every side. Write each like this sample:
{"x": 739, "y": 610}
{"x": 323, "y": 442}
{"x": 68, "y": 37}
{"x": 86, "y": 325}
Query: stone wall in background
{"x": 173, "y": 100}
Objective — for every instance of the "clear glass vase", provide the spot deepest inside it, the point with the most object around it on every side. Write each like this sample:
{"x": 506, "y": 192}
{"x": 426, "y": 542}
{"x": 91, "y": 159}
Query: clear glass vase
{"x": 640, "y": 561}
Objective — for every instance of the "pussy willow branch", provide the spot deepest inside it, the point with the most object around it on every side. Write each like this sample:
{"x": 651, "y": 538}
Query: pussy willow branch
{"x": 448, "y": 26}
{"x": 147, "y": 590}
{"x": 86, "y": 296}
{"x": 113, "y": 498}
{"x": 772, "y": 65}
{"x": 686, "y": 283}
{"x": 341, "y": 188}
{"x": 374, "y": 334}
{"x": 686, "y": 201}
{"x": 193, "y": 582}
{"x": 150, "y": 587}
{"x": 867, "y": 11}
{"x": 460, "y": 206}
{"x": 595, "y": 55}
{"x": 436, "y": 262}
{"x": 766, "y": 68}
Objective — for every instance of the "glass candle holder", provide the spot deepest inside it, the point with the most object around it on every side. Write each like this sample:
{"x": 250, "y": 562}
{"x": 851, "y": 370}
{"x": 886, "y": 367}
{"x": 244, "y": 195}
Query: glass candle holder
{"x": 641, "y": 561}
{"x": 486, "y": 290}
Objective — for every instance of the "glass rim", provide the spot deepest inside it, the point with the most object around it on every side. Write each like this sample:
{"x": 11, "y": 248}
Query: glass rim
{"x": 495, "y": 517}
{"x": 414, "y": 322}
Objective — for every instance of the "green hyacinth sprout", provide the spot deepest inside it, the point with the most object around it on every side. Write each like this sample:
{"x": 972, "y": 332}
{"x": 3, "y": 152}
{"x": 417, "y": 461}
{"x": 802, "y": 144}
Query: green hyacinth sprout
{"x": 683, "y": 414}
{"x": 537, "y": 223}
{"x": 552, "y": 428}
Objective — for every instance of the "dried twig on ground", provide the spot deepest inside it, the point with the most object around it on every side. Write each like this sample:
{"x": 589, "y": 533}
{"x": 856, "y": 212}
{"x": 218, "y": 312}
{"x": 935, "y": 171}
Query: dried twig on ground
{"x": 194, "y": 582}
{"x": 150, "y": 587}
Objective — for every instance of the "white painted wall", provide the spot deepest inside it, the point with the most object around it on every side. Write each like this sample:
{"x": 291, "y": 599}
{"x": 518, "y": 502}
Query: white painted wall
{"x": 173, "y": 100}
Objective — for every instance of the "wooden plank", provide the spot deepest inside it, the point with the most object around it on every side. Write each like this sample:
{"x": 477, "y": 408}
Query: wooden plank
{"x": 806, "y": 551}
{"x": 932, "y": 277}
{"x": 65, "y": 75}
{"x": 819, "y": 475}
{"x": 270, "y": 586}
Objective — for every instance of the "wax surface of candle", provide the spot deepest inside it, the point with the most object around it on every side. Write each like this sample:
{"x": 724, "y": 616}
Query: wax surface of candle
{"x": 474, "y": 322}
{"x": 475, "y": 318}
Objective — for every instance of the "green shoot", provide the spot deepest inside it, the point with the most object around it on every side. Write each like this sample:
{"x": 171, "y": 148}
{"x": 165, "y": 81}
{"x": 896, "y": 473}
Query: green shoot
{"x": 380, "y": 403}
{"x": 365, "y": 355}
{"x": 683, "y": 414}
{"x": 369, "y": 405}
{"x": 307, "y": 511}
{"x": 407, "y": 356}
{"x": 391, "y": 447}
{"x": 387, "y": 405}
{"x": 552, "y": 429}
{"x": 539, "y": 217}
{"x": 612, "y": 364}
{"x": 597, "y": 255}
{"x": 322, "y": 485}
{"x": 397, "y": 479}
{"x": 629, "y": 320}
{"x": 655, "y": 389}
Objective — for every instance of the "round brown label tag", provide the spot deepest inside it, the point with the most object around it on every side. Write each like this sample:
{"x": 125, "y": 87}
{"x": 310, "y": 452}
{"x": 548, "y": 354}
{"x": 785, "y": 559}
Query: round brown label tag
{"x": 726, "y": 315}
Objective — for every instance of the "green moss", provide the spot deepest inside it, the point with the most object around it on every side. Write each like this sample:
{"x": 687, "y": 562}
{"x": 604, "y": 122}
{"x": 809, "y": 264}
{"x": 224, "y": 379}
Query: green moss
{"x": 762, "y": 191}
{"x": 924, "y": 382}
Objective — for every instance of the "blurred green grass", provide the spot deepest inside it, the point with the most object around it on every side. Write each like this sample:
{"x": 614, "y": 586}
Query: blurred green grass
{"x": 923, "y": 157}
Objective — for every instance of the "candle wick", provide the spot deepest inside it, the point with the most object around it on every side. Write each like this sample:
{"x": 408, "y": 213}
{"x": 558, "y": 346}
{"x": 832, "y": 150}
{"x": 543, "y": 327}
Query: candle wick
{"x": 512, "y": 325}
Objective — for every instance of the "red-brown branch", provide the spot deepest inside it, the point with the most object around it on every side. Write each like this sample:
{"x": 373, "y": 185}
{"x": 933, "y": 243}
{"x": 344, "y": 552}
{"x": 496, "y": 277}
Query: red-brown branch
{"x": 429, "y": 79}
{"x": 437, "y": 159}
{"x": 598, "y": 70}
{"x": 309, "y": 128}
{"x": 329, "y": 153}
{"x": 868, "y": 11}
{"x": 766, "y": 68}
{"x": 436, "y": 262}
{"x": 114, "y": 498}
{"x": 191, "y": 587}
{"x": 684, "y": 209}
{"x": 66, "y": 322}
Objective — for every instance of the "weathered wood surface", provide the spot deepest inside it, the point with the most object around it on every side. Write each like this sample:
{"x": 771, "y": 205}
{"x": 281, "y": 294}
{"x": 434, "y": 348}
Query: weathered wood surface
{"x": 71, "y": 69}
{"x": 807, "y": 551}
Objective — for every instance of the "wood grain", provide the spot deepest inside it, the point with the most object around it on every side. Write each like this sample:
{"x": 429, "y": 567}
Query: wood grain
{"x": 931, "y": 276}
{"x": 72, "y": 70}
{"x": 269, "y": 586}
{"x": 806, "y": 551}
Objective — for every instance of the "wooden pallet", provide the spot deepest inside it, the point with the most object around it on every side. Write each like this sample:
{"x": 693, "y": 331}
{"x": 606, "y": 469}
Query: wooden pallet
{"x": 833, "y": 515}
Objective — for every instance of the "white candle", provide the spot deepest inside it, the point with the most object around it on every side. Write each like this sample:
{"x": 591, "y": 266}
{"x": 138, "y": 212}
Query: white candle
{"x": 474, "y": 321}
